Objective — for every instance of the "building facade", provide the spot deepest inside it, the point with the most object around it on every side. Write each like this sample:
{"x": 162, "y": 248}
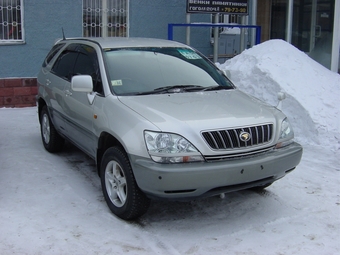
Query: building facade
{"x": 313, "y": 26}
{"x": 28, "y": 29}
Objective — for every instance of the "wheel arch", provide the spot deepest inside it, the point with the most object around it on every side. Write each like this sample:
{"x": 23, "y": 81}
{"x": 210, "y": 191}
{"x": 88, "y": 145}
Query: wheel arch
{"x": 41, "y": 103}
{"x": 106, "y": 140}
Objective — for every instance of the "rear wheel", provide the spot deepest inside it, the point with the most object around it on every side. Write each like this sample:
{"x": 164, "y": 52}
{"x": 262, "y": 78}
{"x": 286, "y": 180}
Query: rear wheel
{"x": 119, "y": 186}
{"x": 52, "y": 141}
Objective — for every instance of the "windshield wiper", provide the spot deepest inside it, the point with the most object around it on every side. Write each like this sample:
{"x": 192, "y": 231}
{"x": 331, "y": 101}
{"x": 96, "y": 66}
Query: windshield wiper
{"x": 182, "y": 88}
{"x": 217, "y": 87}
{"x": 172, "y": 89}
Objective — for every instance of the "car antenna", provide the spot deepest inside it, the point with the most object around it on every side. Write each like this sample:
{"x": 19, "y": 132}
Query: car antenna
{"x": 62, "y": 29}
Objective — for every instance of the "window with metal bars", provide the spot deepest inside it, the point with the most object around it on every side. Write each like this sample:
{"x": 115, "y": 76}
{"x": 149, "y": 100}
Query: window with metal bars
{"x": 11, "y": 21}
{"x": 225, "y": 19}
{"x": 105, "y": 18}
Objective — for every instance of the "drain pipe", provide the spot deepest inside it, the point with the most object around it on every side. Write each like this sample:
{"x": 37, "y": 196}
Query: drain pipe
{"x": 188, "y": 29}
{"x": 216, "y": 35}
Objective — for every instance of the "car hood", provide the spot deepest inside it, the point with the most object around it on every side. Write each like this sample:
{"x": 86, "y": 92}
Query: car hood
{"x": 201, "y": 110}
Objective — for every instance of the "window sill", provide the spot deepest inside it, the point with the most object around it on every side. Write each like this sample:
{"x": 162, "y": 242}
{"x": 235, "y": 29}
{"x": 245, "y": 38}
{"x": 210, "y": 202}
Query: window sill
{"x": 11, "y": 42}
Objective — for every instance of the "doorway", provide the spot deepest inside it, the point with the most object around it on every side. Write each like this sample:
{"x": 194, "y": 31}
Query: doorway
{"x": 312, "y": 26}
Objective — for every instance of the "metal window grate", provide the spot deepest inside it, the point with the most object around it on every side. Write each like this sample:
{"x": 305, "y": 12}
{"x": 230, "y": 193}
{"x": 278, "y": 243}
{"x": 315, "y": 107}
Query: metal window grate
{"x": 105, "y": 18}
{"x": 11, "y": 20}
{"x": 230, "y": 138}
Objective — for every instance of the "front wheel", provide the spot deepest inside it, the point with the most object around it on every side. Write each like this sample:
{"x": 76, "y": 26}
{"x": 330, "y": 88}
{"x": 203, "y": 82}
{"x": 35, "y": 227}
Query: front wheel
{"x": 119, "y": 186}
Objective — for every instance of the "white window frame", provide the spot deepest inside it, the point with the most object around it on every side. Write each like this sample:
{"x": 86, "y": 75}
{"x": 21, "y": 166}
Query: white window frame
{"x": 96, "y": 18}
{"x": 5, "y": 9}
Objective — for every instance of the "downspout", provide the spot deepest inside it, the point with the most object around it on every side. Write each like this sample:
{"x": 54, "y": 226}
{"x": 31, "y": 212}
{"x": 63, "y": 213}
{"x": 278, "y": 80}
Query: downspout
{"x": 289, "y": 23}
{"x": 336, "y": 38}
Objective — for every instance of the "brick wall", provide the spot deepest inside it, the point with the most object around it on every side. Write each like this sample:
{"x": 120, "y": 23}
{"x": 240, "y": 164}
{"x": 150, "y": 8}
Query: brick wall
{"x": 18, "y": 92}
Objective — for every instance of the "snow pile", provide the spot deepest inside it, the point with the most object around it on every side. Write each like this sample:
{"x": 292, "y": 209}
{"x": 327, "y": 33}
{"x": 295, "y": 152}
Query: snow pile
{"x": 313, "y": 92}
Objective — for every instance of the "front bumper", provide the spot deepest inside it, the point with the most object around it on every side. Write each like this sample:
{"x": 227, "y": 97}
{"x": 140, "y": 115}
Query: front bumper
{"x": 193, "y": 180}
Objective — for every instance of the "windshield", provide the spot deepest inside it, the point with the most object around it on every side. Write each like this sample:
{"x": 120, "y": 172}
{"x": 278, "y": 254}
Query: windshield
{"x": 151, "y": 70}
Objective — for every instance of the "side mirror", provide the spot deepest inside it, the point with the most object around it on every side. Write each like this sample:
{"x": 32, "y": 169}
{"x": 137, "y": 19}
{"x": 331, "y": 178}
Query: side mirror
{"x": 280, "y": 96}
{"x": 82, "y": 83}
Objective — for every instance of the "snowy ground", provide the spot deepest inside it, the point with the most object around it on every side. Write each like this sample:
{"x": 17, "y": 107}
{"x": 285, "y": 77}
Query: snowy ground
{"x": 52, "y": 203}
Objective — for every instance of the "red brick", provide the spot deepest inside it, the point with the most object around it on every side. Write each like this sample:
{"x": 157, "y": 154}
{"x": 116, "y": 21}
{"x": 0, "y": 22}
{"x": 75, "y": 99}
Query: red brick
{"x": 21, "y": 105}
{"x": 18, "y": 92}
{"x": 34, "y": 90}
{"x": 29, "y": 100}
{"x": 23, "y": 91}
{"x": 5, "y": 92}
{"x": 13, "y": 83}
{"x": 29, "y": 82}
{"x": 24, "y": 105}
{"x": 11, "y": 101}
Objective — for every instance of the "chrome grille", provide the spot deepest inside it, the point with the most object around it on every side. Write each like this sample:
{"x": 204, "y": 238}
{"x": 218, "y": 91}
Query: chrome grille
{"x": 230, "y": 138}
{"x": 214, "y": 158}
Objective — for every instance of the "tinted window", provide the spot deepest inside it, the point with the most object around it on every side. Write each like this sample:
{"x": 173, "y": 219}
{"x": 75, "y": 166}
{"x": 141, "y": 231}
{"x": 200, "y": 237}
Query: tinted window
{"x": 87, "y": 63}
{"x": 52, "y": 53}
{"x": 63, "y": 67}
{"x": 79, "y": 59}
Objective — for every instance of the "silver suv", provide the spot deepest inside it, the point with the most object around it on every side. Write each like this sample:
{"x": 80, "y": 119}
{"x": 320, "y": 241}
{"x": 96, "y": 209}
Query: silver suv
{"x": 160, "y": 120}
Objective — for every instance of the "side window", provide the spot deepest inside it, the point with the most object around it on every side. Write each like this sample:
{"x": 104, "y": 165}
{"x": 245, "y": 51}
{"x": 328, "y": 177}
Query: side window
{"x": 63, "y": 67}
{"x": 87, "y": 63}
{"x": 78, "y": 59}
{"x": 52, "y": 53}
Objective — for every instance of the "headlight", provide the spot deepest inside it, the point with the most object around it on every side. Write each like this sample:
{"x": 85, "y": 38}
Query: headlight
{"x": 286, "y": 135}
{"x": 170, "y": 148}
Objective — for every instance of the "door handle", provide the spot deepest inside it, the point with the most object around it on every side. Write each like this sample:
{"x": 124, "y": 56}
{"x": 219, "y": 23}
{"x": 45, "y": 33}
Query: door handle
{"x": 68, "y": 93}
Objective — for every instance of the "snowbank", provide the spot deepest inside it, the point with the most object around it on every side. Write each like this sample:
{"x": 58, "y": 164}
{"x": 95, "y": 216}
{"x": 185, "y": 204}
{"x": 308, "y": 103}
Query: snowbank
{"x": 313, "y": 92}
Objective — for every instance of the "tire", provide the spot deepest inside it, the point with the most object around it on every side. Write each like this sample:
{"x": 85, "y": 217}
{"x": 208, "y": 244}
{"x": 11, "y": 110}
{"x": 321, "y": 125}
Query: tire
{"x": 52, "y": 141}
{"x": 120, "y": 190}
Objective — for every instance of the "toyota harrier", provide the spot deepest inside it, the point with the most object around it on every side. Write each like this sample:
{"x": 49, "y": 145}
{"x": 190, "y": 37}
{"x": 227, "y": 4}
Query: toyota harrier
{"x": 160, "y": 121}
